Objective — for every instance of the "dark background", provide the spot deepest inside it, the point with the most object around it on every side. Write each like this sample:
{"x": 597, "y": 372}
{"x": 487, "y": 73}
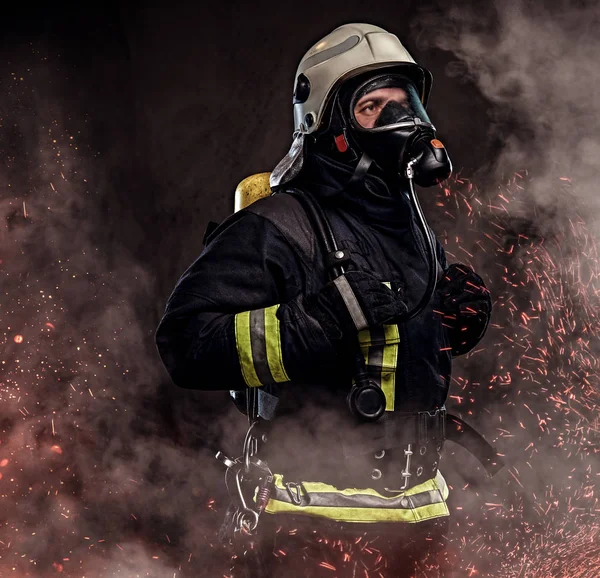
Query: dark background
{"x": 126, "y": 126}
{"x": 183, "y": 100}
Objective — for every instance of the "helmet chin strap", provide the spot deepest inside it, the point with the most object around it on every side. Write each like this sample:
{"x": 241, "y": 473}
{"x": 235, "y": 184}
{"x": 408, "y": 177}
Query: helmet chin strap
{"x": 361, "y": 170}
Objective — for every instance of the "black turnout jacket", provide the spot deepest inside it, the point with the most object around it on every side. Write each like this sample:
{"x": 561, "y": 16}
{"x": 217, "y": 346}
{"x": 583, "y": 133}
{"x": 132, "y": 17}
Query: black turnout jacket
{"x": 235, "y": 318}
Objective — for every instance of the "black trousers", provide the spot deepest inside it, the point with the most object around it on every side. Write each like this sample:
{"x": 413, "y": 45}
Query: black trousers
{"x": 303, "y": 546}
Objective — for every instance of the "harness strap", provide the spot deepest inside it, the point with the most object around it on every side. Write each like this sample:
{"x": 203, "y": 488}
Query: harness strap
{"x": 267, "y": 404}
{"x": 360, "y": 171}
{"x": 461, "y": 433}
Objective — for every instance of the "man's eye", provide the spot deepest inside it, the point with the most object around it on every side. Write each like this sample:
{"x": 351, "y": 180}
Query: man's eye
{"x": 368, "y": 109}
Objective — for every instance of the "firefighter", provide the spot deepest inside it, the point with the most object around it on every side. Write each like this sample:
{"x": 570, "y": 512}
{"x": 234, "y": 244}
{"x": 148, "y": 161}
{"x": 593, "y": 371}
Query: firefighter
{"x": 340, "y": 354}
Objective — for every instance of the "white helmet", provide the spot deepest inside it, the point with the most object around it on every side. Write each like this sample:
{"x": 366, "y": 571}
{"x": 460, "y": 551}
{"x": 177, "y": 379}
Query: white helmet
{"x": 348, "y": 51}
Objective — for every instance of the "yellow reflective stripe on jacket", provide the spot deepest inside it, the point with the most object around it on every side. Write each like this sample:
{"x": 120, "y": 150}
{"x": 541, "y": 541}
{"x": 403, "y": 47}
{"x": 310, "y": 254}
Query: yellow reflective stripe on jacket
{"x": 273, "y": 339}
{"x": 422, "y": 502}
{"x": 244, "y": 348}
{"x": 258, "y": 343}
{"x": 389, "y": 365}
{"x": 379, "y": 346}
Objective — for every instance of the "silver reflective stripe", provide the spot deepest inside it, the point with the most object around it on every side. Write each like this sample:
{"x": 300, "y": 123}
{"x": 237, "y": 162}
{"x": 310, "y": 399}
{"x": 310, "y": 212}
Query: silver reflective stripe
{"x": 360, "y": 321}
{"x": 331, "y": 52}
{"x": 259, "y": 346}
{"x": 374, "y": 358}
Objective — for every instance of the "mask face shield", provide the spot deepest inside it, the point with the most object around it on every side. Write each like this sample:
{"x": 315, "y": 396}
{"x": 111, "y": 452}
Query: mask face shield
{"x": 387, "y": 102}
{"x": 388, "y": 122}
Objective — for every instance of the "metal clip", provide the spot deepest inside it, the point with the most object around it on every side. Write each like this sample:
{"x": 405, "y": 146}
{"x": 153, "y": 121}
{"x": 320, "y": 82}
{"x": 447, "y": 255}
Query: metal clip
{"x": 297, "y": 496}
{"x": 242, "y": 477}
{"x": 250, "y": 446}
{"x": 406, "y": 473}
{"x": 229, "y": 463}
{"x": 249, "y": 518}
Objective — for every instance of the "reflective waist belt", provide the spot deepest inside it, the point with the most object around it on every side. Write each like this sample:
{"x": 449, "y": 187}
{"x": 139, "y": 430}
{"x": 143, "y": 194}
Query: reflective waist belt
{"x": 422, "y": 502}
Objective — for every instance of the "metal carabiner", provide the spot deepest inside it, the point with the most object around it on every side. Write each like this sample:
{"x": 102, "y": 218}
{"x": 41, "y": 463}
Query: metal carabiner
{"x": 254, "y": 473}
{"x": 253, "y": 514}
{"x": 295, "y": 492}
{"x": 250, "y": 447}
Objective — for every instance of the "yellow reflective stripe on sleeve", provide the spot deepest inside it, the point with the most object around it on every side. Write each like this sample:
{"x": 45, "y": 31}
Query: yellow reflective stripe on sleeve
{"x": 273, "y": 340}
{"x": 258, "y": 343}
{"x": 244, "y": 349}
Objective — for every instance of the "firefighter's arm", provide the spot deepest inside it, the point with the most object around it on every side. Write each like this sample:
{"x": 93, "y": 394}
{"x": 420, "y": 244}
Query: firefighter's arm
{"x": 234, "y": 318}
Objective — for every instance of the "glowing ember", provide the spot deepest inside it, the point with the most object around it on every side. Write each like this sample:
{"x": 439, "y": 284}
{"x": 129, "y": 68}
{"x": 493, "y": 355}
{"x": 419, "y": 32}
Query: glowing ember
{"x": 100, "y": 484}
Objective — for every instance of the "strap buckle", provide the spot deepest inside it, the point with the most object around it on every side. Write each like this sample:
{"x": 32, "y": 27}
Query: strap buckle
{"x": 294, "y": 490}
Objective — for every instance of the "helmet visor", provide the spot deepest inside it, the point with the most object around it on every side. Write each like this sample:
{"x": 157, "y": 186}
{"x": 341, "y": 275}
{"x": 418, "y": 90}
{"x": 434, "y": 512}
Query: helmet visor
{"x": 387, "y": 102}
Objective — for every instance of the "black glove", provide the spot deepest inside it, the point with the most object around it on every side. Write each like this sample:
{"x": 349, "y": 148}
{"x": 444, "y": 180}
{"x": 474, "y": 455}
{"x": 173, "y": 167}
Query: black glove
{"x": 467, "y": 304}
{"x": 354, "y": 301}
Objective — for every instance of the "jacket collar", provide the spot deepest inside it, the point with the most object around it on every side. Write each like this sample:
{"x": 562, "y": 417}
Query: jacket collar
{"x": 372, "y": 198}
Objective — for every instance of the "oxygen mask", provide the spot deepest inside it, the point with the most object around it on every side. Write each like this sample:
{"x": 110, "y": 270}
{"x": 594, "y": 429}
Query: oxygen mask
{"x": 389, "y": 123}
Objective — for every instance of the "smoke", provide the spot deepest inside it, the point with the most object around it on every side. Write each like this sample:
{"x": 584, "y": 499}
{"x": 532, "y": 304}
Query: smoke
{"x": 95, "y": 482}
{"x": 531, "y": 231}
{"x": 536, "y": 64}
{"x": 91, "y": 480}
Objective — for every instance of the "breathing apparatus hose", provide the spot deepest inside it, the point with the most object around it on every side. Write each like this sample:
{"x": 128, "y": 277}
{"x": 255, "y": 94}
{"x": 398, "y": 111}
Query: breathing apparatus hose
{"x": 429, "y": 245}
{"x": 365, "y": 389}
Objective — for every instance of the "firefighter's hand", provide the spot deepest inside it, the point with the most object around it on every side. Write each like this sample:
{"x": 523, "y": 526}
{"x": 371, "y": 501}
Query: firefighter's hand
{"x": 352, "y": 302}
{"x": 467, "y": 304}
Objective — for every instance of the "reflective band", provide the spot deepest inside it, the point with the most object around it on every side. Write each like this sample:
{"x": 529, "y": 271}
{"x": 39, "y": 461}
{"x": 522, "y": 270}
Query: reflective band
{"x": 422, "y": 502}
{"x": 259, "y": 346}
{"x": 273, "y": 339}
{"x": 258, "y": 343}
{"x": 360, "y": 321}
{"x": 244, "y": 349}
{"x": 328, "y": 53}
{"x": 389, "y": 363}
{"x": 379, "y": 346}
